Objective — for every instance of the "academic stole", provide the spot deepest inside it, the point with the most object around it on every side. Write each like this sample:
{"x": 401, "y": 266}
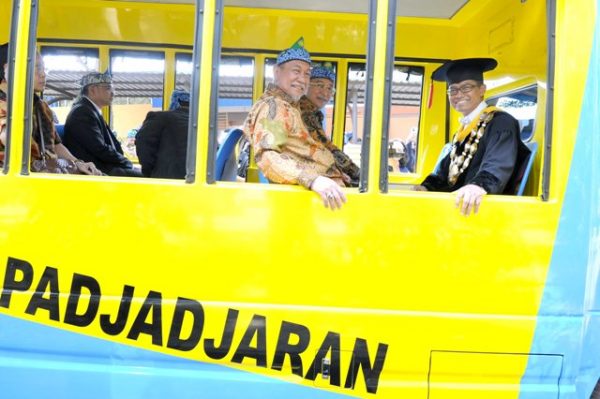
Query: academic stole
{"x": 472, "y": 133}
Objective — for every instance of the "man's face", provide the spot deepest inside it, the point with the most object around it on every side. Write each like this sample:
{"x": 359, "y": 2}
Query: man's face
{"x": 293, "y": 77}
{"x": 102, "y": 94}
{"x": 320, "y": 91}
{"x": 465, "y": 96}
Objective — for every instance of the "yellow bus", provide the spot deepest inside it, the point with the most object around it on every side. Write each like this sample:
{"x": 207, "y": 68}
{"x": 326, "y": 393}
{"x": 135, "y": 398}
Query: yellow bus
{"x": 116, "y": 287}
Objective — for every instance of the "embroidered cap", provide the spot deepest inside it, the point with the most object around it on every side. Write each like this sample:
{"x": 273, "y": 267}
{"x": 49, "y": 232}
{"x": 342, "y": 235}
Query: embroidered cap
{"x": 179, "y": 98}
{"x": 324, "y": 71}
{"x": 296, "y": 52}
{"x": 456, "y": 71}
{"x": 95, "y": 78}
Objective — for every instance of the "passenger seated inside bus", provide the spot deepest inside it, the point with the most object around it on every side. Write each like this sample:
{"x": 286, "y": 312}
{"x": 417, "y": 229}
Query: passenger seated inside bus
{"x": 45, "y": 143}
{"x": 284, "y": 150}
{"x": 487, "y": 151}
{"x": 161, "y": 142}
{"x": 88, "y": 136}
{"x": 320, "y": 91}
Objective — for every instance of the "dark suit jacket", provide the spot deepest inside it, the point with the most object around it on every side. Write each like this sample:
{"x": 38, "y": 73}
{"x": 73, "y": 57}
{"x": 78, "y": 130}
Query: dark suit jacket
{"x": 161, "y": 144}
{"x": 89, "y": 138}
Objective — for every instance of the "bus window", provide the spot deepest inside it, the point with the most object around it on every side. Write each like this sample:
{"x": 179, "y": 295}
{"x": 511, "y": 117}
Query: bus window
{"x": 522, "y": 104}
{"x": 407, "y": 83}
{"x": 183, "y": 71}
{"x": 64, "y": 69}
{"x": 235, "y": 92}
{"x": 355, "y": 107}
{"x": 138, "y": 79}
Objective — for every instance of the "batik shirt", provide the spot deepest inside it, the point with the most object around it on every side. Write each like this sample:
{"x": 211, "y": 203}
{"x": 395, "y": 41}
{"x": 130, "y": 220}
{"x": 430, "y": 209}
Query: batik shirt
{"x": 284, "y": 149}
{"x": 313, "y": 119}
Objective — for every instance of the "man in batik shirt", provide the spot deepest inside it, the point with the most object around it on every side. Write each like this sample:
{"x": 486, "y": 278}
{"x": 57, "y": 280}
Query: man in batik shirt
{"x": 284, "y": 150}
{"x": 320, "y": 91}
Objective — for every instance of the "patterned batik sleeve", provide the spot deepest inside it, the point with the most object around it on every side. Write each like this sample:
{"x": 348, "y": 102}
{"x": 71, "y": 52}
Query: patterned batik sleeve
{"x": 272, "y": 124}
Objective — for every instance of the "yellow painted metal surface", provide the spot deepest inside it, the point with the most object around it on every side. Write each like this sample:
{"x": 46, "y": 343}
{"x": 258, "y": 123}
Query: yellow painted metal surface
{"x": 402, "y": 269}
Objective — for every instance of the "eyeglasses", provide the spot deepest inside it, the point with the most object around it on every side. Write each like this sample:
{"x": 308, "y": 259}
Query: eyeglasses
{"x": 463, "y": 89}
{"x": 321, "y": 86}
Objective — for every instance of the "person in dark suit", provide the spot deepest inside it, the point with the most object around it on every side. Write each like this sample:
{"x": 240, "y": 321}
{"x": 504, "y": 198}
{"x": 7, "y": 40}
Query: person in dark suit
{"x": 88, "y": 136}
{"x": 161, "y": 142}
{"x": 486, "y": 151}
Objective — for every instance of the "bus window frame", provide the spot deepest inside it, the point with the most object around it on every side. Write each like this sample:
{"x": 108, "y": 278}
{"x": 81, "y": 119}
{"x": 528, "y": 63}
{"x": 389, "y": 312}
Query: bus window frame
{"x": 387, "y": 98}
{"x": 369, "y": 57}
{"x": 116, "y": 46}
{"x": 29, "y": 91}
{"x": 211, "y": 155}
{"x": 10, "y": 86}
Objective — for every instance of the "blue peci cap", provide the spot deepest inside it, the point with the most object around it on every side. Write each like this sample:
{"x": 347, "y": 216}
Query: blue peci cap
{"x": 323, "y": 71}
{"x": 296, "y": 52}
{"x": 178, "y": 98}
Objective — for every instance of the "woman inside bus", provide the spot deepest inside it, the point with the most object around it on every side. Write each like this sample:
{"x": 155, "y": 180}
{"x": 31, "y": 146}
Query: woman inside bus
{"x": 52, "y": 144}
{"x": 42, "y": 116}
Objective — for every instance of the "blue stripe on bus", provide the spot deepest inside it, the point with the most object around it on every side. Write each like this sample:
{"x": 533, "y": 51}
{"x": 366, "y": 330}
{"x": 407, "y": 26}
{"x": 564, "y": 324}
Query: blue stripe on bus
{"x": 568, "y": 321}
{"x": 37, "y": 361}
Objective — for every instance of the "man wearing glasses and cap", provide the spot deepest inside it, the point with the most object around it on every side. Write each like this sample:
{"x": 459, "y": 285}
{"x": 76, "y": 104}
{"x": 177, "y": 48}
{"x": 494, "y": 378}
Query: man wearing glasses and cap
{"x": 486, "y": 150}
{"x": 88, "y": 136}
{"x": 320, "y": 91}
{"x": 284, "y": 149}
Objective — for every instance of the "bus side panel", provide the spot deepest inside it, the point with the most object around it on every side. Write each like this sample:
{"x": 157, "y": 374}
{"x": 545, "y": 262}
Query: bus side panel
{"x": 73, "y": 366}
{"x": 569, "y": 318}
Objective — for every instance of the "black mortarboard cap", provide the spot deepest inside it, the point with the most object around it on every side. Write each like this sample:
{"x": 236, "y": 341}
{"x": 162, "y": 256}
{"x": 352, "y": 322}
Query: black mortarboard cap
{"x": 456, "y": 71}
{"x": 3, "y": 60}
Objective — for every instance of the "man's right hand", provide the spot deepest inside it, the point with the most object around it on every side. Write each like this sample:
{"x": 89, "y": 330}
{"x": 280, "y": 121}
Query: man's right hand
{"x": 332, "y": 195}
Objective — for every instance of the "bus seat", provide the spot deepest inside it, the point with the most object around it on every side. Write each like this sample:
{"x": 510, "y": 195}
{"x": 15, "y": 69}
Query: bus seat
{"x": 225, "y": 164}
{"x": 60, "y": 130}
{"x": 533, "y": 146}
{"x": 262, "y": 178}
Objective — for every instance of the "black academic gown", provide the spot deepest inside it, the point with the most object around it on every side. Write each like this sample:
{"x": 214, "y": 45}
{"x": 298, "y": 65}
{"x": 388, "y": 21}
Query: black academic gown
{"x": 88, "y": 137}
{"x": 496, "y": 165}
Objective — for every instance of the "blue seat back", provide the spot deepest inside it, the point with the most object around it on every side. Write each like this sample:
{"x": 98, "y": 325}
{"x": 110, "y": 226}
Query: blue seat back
{"x": 60, "y": 130}
{"x": 533, "y": 146}
{"x": 226, "y": 151}
{"x": 262, "y": 178}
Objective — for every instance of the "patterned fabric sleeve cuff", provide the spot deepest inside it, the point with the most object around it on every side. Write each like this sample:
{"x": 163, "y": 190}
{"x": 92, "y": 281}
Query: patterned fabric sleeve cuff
{"x": 307, "y": 178}
{"x": 487, "y": 181}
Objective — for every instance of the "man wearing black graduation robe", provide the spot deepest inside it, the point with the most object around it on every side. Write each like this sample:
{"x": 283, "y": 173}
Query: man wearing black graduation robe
{"x": 494, "y": 167}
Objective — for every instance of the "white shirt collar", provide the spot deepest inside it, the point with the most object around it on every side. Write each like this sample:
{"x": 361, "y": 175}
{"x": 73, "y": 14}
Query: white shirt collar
{"x": 469, "y": 118}
{"x": 94, "y": 104}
